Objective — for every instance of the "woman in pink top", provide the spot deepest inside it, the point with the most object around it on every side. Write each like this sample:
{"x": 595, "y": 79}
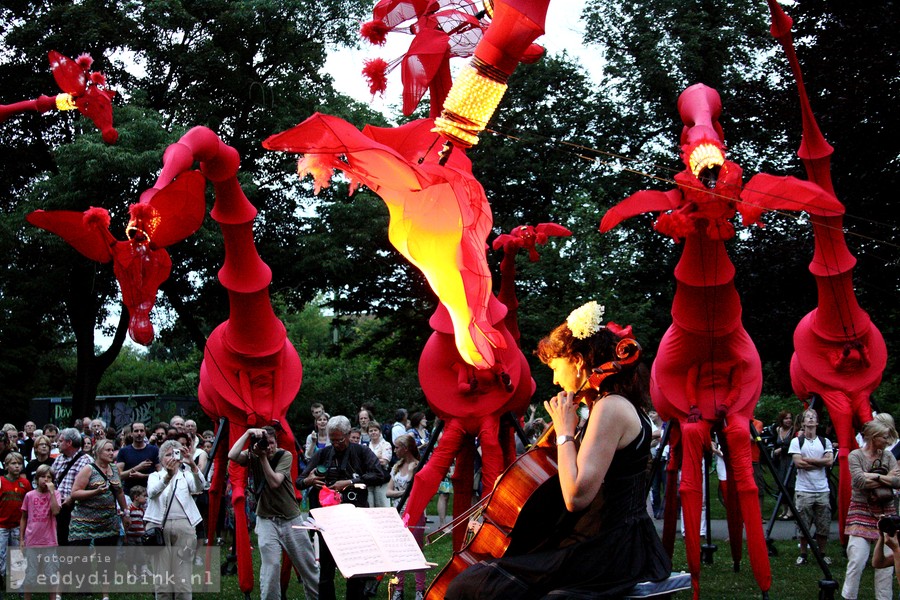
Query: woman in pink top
{"x": 37, "y": 528}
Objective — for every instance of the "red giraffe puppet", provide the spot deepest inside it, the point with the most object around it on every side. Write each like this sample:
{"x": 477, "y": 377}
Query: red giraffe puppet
{"x": 839, "y": 354}
{"x": 250, "y": 371}
{"x": 523, "y": 237}
{"x": 440, "y": 220}
{"x": 707, "y": 373}
{"x": 82, "y": 89}
{"x": 471, "y": 369}
{"x": 473, "y": 405}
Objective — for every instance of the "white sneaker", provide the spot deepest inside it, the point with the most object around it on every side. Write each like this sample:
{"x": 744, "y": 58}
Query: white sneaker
{"x": 397, "y": 595}
{"x": 420, "y": 595}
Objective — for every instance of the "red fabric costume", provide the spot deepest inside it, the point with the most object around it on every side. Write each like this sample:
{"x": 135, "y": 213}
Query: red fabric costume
{"x": 839, "y": 354}
{"x": 439, "y": 220}
{"x": 440, "y": 217}
{"x": 250, "y": 371}
{"x": 442, "y": 29}
{"x": 707, "y": 372}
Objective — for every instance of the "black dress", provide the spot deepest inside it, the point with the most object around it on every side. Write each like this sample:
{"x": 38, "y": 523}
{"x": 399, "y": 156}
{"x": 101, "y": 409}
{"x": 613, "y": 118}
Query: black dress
{"x": 599, "y": 552}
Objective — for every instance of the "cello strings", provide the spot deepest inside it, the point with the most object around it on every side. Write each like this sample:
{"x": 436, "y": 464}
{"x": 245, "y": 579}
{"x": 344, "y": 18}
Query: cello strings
{"x": 456, "y": 521}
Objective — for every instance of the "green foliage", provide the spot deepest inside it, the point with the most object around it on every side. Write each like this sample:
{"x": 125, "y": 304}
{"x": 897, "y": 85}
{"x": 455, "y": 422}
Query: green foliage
{"x": 247, "y": 69}
{"x": 348, "y": 362}
{"x": 134, "y": 372}
{"x": 252, "y": 68}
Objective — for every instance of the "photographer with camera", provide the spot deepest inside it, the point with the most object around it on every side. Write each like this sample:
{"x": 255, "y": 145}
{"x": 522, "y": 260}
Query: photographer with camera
{"x": 887, "y": 528}
{"x": 277, "y": 512}
{"x": 347, "y": 469}
{"x": 171, "y": 507}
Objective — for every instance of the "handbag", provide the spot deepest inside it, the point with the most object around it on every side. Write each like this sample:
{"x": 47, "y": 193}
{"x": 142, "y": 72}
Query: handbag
{"x": 882, "y": 495}
{"x": 154, "y": 535}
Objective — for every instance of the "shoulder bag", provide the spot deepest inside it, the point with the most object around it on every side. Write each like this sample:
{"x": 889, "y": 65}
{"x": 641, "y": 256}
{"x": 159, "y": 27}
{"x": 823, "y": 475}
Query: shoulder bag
{"x": 882, "y": 495}
{"x": 154, "y": 535}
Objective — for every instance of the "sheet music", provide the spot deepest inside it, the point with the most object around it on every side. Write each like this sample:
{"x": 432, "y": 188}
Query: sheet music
{"x": 368, "y": 541}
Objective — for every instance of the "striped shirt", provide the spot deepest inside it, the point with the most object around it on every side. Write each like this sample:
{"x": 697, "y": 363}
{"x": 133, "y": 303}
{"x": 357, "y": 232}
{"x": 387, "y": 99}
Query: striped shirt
{"x": 136, "y": 529}
{"x": 60, "y": 465}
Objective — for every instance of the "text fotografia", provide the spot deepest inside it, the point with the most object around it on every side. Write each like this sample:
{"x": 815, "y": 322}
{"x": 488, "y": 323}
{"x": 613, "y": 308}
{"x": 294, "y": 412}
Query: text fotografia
{"x": 124, "y": 569}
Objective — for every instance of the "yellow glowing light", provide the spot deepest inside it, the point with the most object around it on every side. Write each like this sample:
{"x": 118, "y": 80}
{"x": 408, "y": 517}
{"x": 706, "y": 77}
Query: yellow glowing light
{"x": 65, "y": 102}
{"x": 470, "y": 104}
{"x": 705, "y": 156}
{"x": 139, "y": 231}
{"x": 428, "y": 233}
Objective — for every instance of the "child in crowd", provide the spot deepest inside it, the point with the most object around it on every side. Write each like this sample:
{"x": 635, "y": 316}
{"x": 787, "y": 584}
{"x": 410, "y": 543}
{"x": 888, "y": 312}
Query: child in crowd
{"x": 37, "y": 526}
{"x": 136, "y": 509}
{"x": 13, "y": 487}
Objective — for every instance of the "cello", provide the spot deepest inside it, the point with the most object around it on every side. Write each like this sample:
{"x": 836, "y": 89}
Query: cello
{"x": 526, "y": 491}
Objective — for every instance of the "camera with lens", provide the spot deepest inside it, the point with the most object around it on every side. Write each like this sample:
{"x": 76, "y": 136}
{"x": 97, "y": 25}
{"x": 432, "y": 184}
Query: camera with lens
{"x": 258, "y": 442}
{"x": 889, "y": 524}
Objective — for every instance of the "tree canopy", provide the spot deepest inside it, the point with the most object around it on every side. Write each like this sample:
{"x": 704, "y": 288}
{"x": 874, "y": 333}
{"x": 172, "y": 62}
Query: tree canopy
{"x": 564, "y": 149}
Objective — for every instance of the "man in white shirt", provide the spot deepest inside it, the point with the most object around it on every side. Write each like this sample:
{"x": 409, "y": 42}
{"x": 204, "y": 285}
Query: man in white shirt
{"x": 812, "y": 455}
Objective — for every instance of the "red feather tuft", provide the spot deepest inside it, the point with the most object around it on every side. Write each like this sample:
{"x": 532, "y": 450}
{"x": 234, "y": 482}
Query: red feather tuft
{"x": 374, "y": 31}
{"x": 85, "y": 61}
{"x": 375, "y": 72}
{"x": 96, "y": 217}
{"x": 141, "y": 211}
{"x": 98, "y": 79}
{"x": 675, "y": 225}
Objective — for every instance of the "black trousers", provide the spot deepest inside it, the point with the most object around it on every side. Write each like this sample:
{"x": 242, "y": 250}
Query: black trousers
{"x": 63, "y": 519}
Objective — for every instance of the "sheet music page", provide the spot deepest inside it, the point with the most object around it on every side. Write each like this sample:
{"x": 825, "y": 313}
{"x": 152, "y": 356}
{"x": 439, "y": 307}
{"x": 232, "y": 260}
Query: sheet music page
{"x": 395, "y": 540}
{"x": 368, "y": 541}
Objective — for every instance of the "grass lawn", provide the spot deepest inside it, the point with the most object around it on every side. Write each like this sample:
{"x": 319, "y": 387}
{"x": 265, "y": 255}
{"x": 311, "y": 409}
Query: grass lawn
{"x": 718, "y": 580}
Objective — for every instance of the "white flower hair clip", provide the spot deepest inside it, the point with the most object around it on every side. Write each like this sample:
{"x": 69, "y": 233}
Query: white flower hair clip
{"x": 585, "y": 320}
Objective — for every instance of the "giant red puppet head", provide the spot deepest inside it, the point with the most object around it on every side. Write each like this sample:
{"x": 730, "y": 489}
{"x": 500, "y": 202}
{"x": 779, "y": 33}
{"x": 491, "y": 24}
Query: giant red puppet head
{"x": 141, "y": 263}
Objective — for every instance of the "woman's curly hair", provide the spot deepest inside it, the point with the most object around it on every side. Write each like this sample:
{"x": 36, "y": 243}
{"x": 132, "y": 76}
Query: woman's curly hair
{"x": 595, "y": 350}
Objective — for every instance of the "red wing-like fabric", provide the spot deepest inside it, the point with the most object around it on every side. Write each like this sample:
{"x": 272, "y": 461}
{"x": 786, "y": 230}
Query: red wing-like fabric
{"x": 428, "y": 51}
{"x": 69, "y": 75}
{"x": 180, "y": 208}
{"x": 552, "y": 229}
{"x": 324, "y": 134}
{"x": 394, "y": 12}
{"x": 768, "y": 192}
{"x": 640, "y": 203}
{"x": 91, "y": 240}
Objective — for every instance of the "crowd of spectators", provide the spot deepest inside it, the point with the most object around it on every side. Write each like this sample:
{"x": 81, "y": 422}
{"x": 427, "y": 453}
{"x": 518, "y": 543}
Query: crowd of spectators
{"x": 92, "y": 485}
{"x": 106, "y": 487}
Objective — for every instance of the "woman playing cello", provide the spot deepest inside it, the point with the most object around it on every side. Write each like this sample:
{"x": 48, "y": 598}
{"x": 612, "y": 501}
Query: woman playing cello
{"x": 606, "y": 541}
